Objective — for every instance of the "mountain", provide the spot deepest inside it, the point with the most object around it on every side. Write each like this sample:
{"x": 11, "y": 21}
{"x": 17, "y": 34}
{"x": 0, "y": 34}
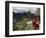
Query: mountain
{"x": 19, "y": 16}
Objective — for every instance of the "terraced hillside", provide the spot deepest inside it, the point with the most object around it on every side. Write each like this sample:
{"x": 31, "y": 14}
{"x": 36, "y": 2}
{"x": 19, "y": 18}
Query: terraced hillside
{"x": 22, "y": 21}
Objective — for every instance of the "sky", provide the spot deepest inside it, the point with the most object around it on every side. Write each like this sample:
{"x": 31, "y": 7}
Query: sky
{"x": 24, "y": 9}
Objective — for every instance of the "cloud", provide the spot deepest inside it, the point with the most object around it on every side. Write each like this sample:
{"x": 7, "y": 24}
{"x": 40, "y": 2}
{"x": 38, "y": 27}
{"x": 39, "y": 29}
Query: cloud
{"x": 24, "y": 9}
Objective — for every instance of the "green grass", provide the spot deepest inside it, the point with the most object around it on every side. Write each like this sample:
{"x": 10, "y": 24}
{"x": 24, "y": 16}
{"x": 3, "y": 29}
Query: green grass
{"x": 22, "y": 25}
